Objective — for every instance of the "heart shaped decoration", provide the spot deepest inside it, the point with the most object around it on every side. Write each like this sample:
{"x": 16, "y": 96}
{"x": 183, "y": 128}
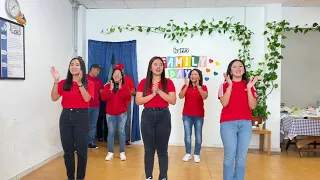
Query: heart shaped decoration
{"x": 215, "y": 73}
{"x": 206, "y": 78}
{"x": 210, "y": 60}
{"x": 217, "y": 63}
{"x": 208, "y": 70}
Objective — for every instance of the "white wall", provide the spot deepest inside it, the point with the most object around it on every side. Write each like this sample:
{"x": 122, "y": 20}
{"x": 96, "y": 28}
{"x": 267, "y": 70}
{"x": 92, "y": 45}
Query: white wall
{"x": 217, "y": 47}
{"x": 29, "y": 131}
{"x": 299, "y": 69}
{"x": 301, "y": 52}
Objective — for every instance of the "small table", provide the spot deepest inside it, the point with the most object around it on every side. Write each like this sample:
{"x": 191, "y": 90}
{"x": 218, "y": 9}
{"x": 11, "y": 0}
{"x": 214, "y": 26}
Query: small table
{"x": 262, "y": 133}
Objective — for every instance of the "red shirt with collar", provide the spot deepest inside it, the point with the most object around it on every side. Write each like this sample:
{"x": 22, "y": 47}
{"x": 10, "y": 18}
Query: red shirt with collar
{"x": 73, "y": 98}
{"x": 157, "y": 101}
{"x": 238, "y": 107}
{"x": 193, "y": 103}
{"x": 95, "y": 100}
{"x": 116, "y": 102}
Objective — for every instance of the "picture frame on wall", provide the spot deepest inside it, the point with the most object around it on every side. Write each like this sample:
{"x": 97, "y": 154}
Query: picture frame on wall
{"x": 12, "y": 47}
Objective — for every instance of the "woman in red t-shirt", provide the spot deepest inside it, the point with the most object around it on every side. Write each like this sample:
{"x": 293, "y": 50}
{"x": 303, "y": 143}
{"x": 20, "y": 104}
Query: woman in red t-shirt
{"x": 193, "y": 112}
{"x": 117, "y": 94}
{"x": 156, "y": 92}
{"x": 238, "y": 97}
{"x": 76, "y": 91}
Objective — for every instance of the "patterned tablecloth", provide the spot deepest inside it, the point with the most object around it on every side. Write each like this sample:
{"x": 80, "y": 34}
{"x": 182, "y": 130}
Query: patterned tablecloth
{"x": 291, "y": 127}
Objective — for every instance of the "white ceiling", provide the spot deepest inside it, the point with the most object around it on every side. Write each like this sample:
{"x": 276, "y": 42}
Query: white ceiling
{"x": 138, "y": 4}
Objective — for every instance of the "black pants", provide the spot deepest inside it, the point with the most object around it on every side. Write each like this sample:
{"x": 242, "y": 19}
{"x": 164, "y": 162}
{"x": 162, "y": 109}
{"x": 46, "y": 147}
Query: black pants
{"x": 102, "y": 128}
{"x": 74, "y": 128}
{"x": 156, "y": 129}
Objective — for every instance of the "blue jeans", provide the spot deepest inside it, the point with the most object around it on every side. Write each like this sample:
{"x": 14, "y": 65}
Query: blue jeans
{"x": 93, "y": 116}
{"x": 113, "y": 121}
{"x": 128, "y": 122}
{"x": 197, "y": 122}
{"x": 236, "y": 136}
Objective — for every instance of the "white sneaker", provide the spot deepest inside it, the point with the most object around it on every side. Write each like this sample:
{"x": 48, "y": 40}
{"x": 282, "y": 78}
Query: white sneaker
{"x": 109, "y": 156}
{"x": 149, "y": 178}
{"x": 186, "y": 157}
{"x": 196, "y": 158}
{"x": 123, "y": 156}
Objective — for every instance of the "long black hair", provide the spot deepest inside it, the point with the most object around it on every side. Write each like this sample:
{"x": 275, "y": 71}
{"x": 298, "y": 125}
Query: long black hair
{"x": 200, "y": 75}
{"x": 68, "y": 84}
{"x": 122, "y": 74}
{"x": 244, "y": 76}
{"x": 147, "y": 86}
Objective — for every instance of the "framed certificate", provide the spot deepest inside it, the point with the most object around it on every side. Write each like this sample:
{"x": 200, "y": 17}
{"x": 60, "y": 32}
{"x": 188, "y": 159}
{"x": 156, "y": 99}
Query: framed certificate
{"x": 12, "y": 47}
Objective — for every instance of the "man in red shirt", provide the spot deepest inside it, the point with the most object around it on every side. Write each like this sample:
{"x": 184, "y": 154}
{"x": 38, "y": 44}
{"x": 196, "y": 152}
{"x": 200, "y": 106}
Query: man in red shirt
{"x": 94, "y": 104}
{"x": 130, "y": 83}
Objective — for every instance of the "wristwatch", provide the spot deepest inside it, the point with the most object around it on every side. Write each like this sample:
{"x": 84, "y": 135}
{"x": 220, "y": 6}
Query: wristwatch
{"x": 80, "y": 85}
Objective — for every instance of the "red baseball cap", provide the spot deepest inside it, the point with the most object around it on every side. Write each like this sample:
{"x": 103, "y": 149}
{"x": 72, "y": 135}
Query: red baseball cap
{"x": 119, "y": 66}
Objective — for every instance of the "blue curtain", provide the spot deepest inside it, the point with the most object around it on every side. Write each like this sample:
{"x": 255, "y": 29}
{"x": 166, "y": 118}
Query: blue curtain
{"x": 100, "y": 53}
{"x": 123, "y": 52}
{"x": 126, "y": 53}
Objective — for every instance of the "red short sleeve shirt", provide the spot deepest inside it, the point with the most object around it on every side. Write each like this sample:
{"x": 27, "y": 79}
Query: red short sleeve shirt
{"x": 157, "y": 101}
{"x": 238, "y": 107}
{"x": 73, "y": 98}
{"x": 129, "y": 82}
{"x": 193, "y": 103}
{"x": 95, "y": 101}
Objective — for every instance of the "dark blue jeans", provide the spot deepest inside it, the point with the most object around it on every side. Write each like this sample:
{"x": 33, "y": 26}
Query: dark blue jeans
{"x": 93, "y": 115}
{"x": 128, "y": 122}
{"x": 74, "y": 127}
{"x": 236, "y": 136}
{"x": 197, "y": 122}
{"x": 156, "y": 129}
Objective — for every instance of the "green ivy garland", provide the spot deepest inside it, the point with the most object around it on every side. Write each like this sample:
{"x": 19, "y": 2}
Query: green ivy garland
{"x": 237, "y": 32}
{"x": 178, "y": 33}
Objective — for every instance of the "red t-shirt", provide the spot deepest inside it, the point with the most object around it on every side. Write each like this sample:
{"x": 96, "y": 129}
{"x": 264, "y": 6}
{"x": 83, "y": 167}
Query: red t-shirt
{"x": 238, "y": 107}
{"x": 129, "y": 81}
{"x": 95, "y": 101}
{"x": 193, "y": 103}
{"x": 157, "y": 101}
{"x": 73, "y": 98}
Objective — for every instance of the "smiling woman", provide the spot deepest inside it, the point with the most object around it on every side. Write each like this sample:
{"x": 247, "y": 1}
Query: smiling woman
{"x": 76, "y": 92}
{"x": 116, "y": 93}
{"x": 156, "y": 92}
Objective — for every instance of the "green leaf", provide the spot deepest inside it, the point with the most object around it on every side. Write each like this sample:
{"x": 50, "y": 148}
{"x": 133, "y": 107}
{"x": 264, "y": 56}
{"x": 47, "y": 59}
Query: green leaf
{"x": 275, "y": 86}
{"x": 315, "y": 25}
{"x": 192, "y": 35}
{"x": 265, "y": 32}
{"x": 112, "y": 29}
{"x": 120, "y": 29}
{"x": 185, "y": 23}
{"x": 148, "y": 29}
{"x": 210, "y": 31}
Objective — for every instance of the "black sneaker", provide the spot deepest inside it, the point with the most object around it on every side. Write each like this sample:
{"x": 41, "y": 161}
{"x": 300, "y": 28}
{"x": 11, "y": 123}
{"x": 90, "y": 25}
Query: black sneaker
{"x": 127, "y": 144}
{"x": 92, "y": 146}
